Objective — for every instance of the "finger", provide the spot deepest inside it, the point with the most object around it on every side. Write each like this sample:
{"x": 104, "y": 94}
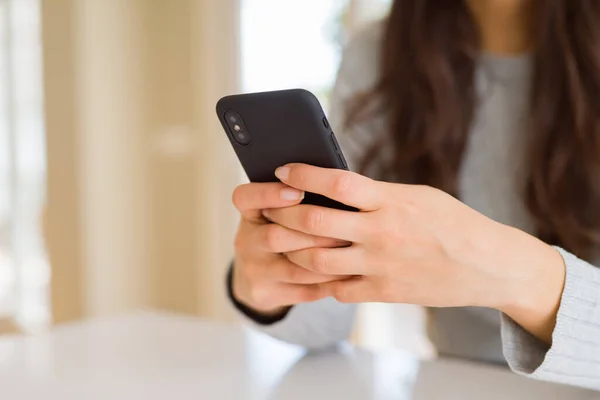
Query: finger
{"x": 356, "y": 290}
{"x": 340, "y": 262}
{"x": 250, "y": 198}
{"x": 346, "y": 187}
{"x": 320, "y": 221}
{"x": 274, "y": 238}
{"x": 288, "y": 272}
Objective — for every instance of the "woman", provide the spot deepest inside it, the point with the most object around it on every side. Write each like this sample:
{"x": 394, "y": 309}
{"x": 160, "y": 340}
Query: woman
{"x": 493, "y": 102}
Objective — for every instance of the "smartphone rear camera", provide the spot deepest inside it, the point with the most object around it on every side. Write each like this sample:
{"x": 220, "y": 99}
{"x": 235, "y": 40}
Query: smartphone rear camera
{"x": 237, "y": 128}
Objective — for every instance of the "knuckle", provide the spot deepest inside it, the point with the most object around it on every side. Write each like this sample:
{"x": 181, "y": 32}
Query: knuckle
{"x": 377, "y": 230}
{"x": 298, "y": 175}
{"x": 425, "y": 194}
{"x": 427, "y": 190}
{"x": 319, "y": 261}
{"x": 313, "y": 219}
{"x": 293, "y": 274}
{"x": 290, "y": 274}
{"x": 342, "y": 185}
{"x": 273, "y": 233}
{"x": 387, "y": 237}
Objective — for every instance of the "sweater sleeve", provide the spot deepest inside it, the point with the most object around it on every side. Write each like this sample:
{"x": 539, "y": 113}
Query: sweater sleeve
{"x": 574, "y": 356}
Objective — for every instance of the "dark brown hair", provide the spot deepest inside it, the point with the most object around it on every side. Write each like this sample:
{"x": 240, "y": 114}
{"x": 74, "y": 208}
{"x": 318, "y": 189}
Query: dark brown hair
{"x": 427, "y": 91}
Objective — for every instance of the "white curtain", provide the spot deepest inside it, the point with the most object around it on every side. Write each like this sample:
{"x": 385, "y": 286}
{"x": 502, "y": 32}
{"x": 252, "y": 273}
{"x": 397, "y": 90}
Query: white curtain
{"x": 23, "y": 265}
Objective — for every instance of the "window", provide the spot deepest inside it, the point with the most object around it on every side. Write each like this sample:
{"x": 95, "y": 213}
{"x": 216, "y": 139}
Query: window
{"x": 290, "y": 44}
{"x": 24, "y": 271}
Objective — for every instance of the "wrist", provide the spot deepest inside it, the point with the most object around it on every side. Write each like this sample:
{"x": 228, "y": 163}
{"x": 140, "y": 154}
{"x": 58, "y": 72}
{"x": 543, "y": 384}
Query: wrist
{"x": 263, "y": 317}
{"x": 535, "y": 276}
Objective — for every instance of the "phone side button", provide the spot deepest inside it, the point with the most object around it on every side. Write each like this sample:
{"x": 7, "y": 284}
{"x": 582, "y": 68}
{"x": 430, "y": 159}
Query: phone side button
{"x": 341, "y": 157}
{"x": 334, "y": 141}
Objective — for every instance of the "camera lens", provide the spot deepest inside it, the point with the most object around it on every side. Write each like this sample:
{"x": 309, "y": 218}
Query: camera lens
{"x": 236, "y": 128}
{"x": 241, "y": 137}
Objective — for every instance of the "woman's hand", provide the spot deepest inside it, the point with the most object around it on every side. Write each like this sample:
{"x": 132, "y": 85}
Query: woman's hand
{"x": 263, "y": 279}
{"x": 416, "y": 244}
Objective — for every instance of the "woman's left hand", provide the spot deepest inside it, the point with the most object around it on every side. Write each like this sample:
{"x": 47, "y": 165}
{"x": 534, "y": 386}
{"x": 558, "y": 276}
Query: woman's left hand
{"x": 419, "y": 245}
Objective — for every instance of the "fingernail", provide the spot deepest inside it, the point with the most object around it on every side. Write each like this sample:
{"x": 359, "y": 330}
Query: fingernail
{"x": 291, "y": 194}
{"x": 282, "y": 173}
{"x": 265, "y": 213}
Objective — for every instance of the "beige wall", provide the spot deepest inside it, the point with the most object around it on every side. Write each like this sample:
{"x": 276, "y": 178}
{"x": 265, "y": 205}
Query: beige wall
{"x": 216, "y": 28}
{"x": 62, "y": 226}
{"x": 139, "y": 173}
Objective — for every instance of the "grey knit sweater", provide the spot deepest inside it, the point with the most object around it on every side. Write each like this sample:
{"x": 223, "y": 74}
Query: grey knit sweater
{"x": 489, "y": 183}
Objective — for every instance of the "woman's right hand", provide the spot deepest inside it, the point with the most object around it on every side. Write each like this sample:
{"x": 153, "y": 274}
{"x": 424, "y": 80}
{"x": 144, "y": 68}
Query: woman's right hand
{"x": 263, "y": 278}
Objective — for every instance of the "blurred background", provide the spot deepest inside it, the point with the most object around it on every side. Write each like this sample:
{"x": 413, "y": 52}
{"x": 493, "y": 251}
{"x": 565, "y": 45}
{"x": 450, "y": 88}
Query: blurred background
{"x": 115, "y": 175}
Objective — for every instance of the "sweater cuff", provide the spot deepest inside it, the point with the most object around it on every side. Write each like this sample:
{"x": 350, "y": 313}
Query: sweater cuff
{"x": 574, "y": 357}
{"x": 258, "y": 318}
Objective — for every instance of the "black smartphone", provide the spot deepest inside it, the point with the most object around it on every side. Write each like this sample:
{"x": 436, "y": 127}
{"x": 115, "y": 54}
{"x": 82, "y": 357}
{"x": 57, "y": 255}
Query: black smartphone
{"x": 271, "y": 129}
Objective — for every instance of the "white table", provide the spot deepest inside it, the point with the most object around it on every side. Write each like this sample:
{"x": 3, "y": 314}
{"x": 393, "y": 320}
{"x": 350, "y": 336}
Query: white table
{"x": 157, "y": 356}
